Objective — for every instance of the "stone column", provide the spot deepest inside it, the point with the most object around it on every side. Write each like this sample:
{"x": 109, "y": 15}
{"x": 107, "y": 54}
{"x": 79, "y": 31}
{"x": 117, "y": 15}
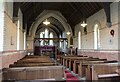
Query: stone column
{"x": 30, "y": 43}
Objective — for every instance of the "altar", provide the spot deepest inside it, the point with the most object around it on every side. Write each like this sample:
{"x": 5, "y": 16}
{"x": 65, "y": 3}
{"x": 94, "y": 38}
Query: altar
{"x": 40, "y": 50}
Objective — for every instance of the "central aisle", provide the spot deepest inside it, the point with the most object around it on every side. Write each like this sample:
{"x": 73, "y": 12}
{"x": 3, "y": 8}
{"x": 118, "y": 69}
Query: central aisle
{"x": 70, "y": 77}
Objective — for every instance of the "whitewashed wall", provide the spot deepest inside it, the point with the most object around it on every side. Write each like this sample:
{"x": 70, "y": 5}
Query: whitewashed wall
{"x": 1, "y": 34}
{"x": 10, "y": 54}
{"x": 8, "y": 37}
{"x": 10, "y": 29}
{"x": 1, "y": 25}
{"x": 105, "y": 37}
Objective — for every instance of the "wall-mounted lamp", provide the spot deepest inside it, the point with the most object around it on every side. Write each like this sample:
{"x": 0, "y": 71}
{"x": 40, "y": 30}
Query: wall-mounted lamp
{"x": 84, "y": 24}
{"x": 46, "y": 22}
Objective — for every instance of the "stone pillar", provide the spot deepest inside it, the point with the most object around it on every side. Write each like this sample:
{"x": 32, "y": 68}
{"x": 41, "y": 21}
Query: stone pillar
{"x": 68, "y": 41}
{"x": 30, "y": 44}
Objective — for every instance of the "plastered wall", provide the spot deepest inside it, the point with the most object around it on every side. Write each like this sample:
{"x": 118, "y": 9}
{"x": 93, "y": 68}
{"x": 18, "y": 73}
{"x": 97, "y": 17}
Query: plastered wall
{"x": 106, "y": 41}
{"x": 10, "y": 30}
{"x": 10, "y": 54}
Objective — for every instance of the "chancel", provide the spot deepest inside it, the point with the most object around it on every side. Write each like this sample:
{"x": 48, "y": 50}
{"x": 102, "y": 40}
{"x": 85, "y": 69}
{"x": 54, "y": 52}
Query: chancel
{"x": 59, "y": 41}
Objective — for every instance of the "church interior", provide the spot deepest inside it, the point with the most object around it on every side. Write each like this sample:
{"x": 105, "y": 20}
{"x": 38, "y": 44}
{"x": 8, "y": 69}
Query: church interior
{"x": 59, "y": 41}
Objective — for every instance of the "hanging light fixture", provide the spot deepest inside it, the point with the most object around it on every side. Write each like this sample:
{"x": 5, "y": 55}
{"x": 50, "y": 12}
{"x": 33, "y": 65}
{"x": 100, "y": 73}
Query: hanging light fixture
{"x": 68, "y": 33}
{"x": 46, "y": 22}
{"x": 84, "y": 24}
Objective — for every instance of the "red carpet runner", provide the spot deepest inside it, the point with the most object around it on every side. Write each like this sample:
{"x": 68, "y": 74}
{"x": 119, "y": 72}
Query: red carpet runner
{"x": 70, "y": 77}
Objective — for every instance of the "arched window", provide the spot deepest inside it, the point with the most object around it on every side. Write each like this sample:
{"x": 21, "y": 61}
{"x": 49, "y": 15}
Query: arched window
{"x": 51, "y": 41}
{"x": 79, "y": 40}
{"x": 46, "y": 33}
{"x": 41, "y": 36}
{"x": 96, "y": 37}
{"x": 60, "y": 42}
{"x": 64, "y": 42}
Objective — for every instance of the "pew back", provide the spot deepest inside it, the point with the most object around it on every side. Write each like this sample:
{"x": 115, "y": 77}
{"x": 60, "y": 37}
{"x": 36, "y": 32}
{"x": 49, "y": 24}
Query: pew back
{"x": 104, "y": 70}
{"x": 32, "y": 73}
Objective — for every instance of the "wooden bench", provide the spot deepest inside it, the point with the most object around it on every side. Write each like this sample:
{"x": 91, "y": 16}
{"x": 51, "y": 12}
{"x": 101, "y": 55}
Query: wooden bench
{"x": 63, "y": 57}
{"x": 34, "y": 61}
{"x": 32, "y": 64}
{"x": 78, "y": 64}
{"x": 32, "y": 73}
{"x": 102, "y": 71}
{"x": 81, "y": 66}
{"x": 67, "y": 59}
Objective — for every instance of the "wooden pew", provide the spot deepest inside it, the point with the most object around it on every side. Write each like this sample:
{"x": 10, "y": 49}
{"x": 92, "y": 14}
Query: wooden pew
{"x": 34, "y": 61}
{"x": 32, "y": 64}
{"x": 70, "y": 61}
{"x": 87, "y": 61}
{"x": 102, "y": 71}
{"x": 62, "y": 58}
{"x": 82, "y": 65}
{"x": 32, "y": 73}
{"x": 34, "y": 67}
{"x": 75, "y": 63}
{"x": 66, "y": 60}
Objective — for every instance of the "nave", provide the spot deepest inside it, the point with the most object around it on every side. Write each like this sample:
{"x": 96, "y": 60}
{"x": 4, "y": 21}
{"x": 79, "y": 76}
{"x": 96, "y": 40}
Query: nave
{"x": 59, "y": 41}
{"x": 70, "y": 68}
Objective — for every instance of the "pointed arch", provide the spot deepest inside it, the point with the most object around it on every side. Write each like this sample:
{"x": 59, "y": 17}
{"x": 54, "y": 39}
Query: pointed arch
{"x": 46, "y": 14}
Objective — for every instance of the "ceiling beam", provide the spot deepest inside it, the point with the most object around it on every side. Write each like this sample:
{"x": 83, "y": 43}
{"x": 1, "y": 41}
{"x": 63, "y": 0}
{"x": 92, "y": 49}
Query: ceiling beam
{"x": 50, "y": 38}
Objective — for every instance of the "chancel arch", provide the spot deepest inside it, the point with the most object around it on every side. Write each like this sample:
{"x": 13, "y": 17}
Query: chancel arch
{"x": 46, "y": 14}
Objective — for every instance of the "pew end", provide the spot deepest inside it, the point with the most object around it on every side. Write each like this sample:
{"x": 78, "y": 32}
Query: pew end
{"x": 104, "y": 71}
